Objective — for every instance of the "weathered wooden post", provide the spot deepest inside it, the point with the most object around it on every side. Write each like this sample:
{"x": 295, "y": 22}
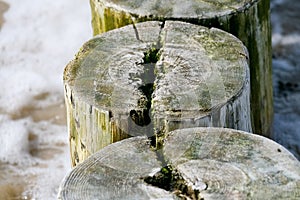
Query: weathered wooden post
{"x": 195, "y": 163}
{"x": 249, "y": 20}
{"x": 151, "y": 78}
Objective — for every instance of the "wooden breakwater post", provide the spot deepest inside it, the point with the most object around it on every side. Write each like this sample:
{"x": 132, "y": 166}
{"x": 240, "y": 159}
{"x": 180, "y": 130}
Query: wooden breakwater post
{"x": 195, "y": 163}
{"x": 152, "y": 78}
{"x": 249, "y": 20}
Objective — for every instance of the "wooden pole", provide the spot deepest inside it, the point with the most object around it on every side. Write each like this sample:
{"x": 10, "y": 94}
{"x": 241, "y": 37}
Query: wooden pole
{"x": 249, "y": 20}
{"x": 195, "y": 163}
{"x": 152, "y": 78}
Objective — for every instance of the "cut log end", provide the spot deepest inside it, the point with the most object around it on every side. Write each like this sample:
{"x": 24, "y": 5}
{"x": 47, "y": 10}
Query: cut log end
{"x": 248, "y": 20}
{"x": 108, "y": 15}
{"x": 196, "y": 163}
{"x": 153, "y": 78}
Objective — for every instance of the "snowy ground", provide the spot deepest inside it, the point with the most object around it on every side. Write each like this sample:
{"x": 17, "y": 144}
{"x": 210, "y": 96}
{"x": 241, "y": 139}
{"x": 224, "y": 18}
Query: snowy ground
{"x": 38, "y": 38}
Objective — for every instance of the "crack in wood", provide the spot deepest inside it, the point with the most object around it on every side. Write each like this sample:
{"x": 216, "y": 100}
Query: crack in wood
{"x": 169, "y": 179}
{"x": 135, "y": 30}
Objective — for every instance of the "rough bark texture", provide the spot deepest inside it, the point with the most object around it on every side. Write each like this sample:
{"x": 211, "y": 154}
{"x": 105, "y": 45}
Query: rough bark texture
{"x": 195, "y": 163}
{"x": 248, "y": 20}
{"x": 153, "y": 78}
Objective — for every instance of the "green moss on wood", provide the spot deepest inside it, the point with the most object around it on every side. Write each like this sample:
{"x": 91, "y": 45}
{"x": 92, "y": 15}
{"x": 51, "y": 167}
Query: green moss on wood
{"x": 105, "y": 19}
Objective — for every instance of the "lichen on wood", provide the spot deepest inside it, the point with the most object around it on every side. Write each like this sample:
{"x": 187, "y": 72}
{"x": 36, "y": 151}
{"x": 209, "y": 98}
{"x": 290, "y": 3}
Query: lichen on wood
{"x": 152, "y": 78}
{"x": 248, "y": 20}
{"x": 196, "y": 163}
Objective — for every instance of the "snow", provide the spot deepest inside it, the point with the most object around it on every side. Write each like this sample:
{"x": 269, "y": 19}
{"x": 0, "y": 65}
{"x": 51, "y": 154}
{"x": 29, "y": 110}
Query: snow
{"x": 14, "y": 140}
{"x": 37, "y": 40}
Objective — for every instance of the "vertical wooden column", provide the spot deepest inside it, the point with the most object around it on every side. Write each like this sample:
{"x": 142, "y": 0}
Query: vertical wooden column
{"x": 248, "y": 20}
{"x": 152, "y": 78}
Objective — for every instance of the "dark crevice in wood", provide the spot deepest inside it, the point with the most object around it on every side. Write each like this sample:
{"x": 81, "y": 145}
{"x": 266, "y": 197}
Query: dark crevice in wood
{"x": 72, "y": 100}
{"x": 136, "y": 32}
{"x": 152, "y": 141}
{"x": 141, "y": 116}
{"x": 171, "y": 180}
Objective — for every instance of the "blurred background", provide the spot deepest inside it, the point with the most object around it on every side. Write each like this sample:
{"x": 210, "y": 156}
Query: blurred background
{"x": 285, "y": 18}
{"x": 39, "y": 37}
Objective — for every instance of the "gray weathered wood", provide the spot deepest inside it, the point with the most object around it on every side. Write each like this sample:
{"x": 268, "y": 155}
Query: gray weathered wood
{"x": 208, "y": 163}
{"x": 154, "y": 78}
{"x": 249, "y": 20}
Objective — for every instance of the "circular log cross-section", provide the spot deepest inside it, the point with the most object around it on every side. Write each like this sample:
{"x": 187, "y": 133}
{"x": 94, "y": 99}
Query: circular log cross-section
{"x": 194, "y": 163}
{"x": 249, "y": 20}
{"x": 153, "y": 78}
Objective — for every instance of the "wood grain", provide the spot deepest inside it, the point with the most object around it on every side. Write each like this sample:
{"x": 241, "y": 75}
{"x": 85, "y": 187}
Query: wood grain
{"x": 248, "y": 20}
{"x": 153, "y": 78}
{"x": 200, "y": 163}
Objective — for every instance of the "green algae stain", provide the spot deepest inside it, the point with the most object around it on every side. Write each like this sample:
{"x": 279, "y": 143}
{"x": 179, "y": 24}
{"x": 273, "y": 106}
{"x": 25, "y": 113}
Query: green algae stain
{"x": 229, "y": 147}
{"x": 105, "y": 19}
{"x": 204, "y": 100}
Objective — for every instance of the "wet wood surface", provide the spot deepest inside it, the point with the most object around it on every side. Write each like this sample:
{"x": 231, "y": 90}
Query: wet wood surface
{"x": 195, "y": 163}
{"x": 248, "y": 20}
{"x": 153, "y": 78}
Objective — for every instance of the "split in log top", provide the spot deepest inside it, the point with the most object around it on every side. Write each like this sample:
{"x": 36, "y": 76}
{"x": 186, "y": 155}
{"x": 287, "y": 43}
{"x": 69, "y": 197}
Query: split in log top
{"x": 152, "y": 78}
{"x": 208, "y": 163}
{"x": 248, "y": 20}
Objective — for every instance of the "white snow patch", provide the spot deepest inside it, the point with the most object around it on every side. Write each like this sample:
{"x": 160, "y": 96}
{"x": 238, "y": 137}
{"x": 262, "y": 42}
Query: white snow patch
{"x": 14, "y": 141}
{"x": 38, "y": 39}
